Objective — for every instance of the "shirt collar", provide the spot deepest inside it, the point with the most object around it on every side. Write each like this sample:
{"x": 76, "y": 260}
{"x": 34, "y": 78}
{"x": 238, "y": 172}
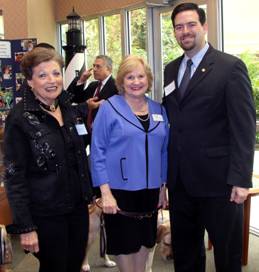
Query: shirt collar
{"x": 197, "y": 58}
{"x": 105, "y": 80}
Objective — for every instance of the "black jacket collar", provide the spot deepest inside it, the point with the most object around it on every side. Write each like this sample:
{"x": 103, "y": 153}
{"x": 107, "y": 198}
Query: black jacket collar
{"x": 31, "y": 104}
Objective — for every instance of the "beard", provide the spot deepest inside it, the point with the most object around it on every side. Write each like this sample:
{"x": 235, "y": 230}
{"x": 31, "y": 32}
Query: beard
{"x": 187, "y": 46}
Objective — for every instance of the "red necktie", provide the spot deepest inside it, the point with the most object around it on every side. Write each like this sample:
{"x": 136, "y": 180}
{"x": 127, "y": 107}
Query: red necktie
{"x": 90, "y": 113}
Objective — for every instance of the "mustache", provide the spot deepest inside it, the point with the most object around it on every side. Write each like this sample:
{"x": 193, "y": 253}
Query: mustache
{"x": 187, "y": 35}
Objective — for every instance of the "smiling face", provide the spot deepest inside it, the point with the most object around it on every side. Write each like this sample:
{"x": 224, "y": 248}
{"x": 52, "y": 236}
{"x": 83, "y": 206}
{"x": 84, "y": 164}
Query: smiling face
{"x": 135, "y": 83}
{"x": 46, "y": 82}
{"x": 189, "y": 32}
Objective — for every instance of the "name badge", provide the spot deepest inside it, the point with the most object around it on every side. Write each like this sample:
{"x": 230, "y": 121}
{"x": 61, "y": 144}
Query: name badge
{"x": 81, "y": 129}
{"x": 158, "y": 117}
{"x": 170, "y": 88}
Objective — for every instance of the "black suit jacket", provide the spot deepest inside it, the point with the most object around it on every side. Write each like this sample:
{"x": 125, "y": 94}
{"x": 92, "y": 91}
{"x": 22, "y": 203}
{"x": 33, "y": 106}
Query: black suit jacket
{"x": 81, "y": 95}
{"x": 212, "y": 133}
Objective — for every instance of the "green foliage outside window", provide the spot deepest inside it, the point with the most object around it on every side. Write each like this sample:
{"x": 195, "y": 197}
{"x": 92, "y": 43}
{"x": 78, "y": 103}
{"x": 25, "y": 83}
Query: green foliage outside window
{"x": 138, "y": 32}
{"x": 92, "y": 40}
{"x": 252, "y": 62}
{"x": 170, "y": 48}
{"x": 113, "y": 39}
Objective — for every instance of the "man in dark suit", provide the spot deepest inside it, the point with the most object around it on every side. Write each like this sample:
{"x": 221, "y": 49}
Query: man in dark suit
{"x": 212, "y": 135}
{"x": 97, "y": 91}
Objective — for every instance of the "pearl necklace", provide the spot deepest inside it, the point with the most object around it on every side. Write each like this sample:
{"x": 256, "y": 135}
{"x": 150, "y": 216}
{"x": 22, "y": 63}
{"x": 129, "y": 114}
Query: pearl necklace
{"x": 143, "y": 119}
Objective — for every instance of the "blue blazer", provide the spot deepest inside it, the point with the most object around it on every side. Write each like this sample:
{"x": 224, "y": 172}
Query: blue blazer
{"x": 118, "y": 148}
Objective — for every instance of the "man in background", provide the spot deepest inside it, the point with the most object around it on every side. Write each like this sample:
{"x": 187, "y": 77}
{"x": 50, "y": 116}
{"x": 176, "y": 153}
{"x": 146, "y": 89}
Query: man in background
{"x": 97, "y": 91}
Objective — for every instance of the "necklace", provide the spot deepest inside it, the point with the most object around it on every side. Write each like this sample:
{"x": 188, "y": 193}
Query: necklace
{"x": 143, "y": 119}
{"x": 51, "y": 108}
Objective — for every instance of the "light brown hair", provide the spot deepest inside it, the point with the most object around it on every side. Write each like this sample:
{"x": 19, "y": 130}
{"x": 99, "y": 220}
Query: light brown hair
{"x": 127, "y": 65}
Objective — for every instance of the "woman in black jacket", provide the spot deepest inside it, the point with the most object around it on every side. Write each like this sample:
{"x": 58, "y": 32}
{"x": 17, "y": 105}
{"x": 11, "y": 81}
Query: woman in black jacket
{"x": 46, "y": 167}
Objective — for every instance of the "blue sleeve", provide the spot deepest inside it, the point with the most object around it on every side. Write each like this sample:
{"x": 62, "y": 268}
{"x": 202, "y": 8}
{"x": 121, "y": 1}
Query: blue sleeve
{"x": 164, "y": 148}
{"x": 99, "y": 144}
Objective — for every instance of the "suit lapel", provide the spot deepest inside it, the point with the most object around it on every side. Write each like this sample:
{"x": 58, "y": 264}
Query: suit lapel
{"x": 173, "y": 75}
{"x": 201, "y": 72}
{"x": 107, "y": 89}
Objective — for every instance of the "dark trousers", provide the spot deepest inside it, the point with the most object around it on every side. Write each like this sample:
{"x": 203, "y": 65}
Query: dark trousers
{"x": 222, "y": 219}
{"x": 62, "y": 241}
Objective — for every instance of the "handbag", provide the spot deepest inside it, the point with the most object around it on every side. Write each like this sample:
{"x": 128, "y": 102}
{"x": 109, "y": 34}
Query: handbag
{"x": 6, "y": 252}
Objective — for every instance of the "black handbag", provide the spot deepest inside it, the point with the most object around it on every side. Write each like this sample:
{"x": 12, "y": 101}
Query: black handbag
{"x": 6, "y": 253}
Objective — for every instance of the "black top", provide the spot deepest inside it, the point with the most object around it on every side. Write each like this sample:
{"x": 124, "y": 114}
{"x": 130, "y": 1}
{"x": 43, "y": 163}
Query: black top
{"x": 46, "y": 165}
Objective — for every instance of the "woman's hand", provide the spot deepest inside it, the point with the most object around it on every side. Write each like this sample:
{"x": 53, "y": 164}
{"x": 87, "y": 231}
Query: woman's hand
{"x": 109, "y": 203}
{"x": 29, "y": 241}
{"x": 163, "y": 200}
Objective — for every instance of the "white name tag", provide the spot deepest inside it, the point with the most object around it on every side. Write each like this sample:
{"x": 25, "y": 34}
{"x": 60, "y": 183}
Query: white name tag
{"x": 170, "y": 88}
{"x": 81, "y": 129}
{"x": 158, "y": 117}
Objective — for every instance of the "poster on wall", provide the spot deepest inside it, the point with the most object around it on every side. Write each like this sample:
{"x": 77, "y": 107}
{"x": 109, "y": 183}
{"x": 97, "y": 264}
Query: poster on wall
{"x": 11, "y": 78}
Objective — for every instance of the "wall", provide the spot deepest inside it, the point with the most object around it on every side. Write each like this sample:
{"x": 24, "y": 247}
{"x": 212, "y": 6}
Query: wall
{"x": 15, "y": 18}
{"x": 90, "y": 7}
{"x": 29, "y": 19}
{"x": 41, "y": 21}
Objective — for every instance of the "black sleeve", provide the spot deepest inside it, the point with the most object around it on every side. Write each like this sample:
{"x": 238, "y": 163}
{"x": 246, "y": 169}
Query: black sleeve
{"x": 16, "y": 160}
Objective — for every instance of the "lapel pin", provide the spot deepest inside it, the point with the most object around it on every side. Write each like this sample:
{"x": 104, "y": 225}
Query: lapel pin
{"x": 203, "y": 70}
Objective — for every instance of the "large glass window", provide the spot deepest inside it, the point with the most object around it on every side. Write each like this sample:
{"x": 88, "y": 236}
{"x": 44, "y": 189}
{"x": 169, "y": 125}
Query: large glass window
{"x": 63, "y": 36}
{"x": 112, "y": 31}
{"x": 170, "y": 48}
{"x": 92, "y": 42}
{"x": 138, "y": 32}
{"x": 241, "y": 36}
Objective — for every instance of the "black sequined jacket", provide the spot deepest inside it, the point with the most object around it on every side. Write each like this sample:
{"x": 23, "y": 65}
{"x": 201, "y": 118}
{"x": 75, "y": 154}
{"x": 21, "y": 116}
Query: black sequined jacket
{"x": 36, "y": 178}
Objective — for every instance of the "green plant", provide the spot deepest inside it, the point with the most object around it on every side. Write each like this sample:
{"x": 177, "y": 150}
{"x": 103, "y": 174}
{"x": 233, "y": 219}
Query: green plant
{"x": 257, "y": 137}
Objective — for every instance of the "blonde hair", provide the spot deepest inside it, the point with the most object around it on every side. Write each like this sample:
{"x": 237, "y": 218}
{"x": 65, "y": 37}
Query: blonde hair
{"x": 128, "y": 64}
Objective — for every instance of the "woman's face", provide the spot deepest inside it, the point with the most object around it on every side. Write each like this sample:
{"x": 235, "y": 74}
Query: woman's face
{"x": 135, "y": 83}
{"x": 46, "y": 82}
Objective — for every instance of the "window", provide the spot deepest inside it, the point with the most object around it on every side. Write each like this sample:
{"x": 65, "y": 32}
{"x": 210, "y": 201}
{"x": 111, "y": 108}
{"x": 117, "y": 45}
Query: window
{"x": 138, "y": 32}
{"x": 241, "y": 37}
{"x": 170, "y": 48}
{"x": 92, "y": 42}
{"x": 112, "y": 34}
{"x": 63, "y": 31}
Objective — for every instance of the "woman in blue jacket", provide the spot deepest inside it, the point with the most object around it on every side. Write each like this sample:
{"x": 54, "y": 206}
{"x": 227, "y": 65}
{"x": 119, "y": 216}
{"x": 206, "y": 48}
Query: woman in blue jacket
{"x": 129, "y": 164}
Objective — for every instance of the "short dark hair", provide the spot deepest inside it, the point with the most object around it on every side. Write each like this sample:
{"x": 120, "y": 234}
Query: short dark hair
{"x": 189, "y": 6}
{"x": 35, "y": 57}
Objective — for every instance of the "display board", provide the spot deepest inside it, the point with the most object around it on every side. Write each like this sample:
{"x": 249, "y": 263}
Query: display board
{"x": 11, "y": 78}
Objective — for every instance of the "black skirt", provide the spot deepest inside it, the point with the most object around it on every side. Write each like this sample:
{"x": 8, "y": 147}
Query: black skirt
{"x": 126, "y": 235}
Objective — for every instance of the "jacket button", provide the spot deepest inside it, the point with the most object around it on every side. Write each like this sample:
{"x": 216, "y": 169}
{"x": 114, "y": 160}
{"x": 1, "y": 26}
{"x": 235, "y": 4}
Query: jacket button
{"x": 82, "y": 175}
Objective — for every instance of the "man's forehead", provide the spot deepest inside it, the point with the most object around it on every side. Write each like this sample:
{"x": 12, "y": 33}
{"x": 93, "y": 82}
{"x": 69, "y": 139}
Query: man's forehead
{"x": 187, "y": 15}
